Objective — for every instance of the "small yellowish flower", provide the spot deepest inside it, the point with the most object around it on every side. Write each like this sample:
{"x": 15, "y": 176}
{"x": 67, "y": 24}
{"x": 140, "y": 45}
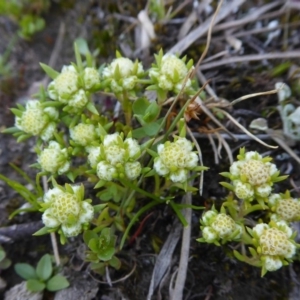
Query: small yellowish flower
{"x": 274, "y": 244}
{"x": 284, "y": 207}
{"x": 54, "y": 159}
{"x": 170, "y": 73}
{"x": 67, "y": 210}
{"x": 252, "y": 176}
{"x": 175, "y": 159}
{"x": 219, "y": 226}
{"x": 122, "y": 74}
{"x": 83, "y": 134}
{"x": 116, "y": 158}
{"x": 38, "y": 121}
{"x": 72, "y": 89}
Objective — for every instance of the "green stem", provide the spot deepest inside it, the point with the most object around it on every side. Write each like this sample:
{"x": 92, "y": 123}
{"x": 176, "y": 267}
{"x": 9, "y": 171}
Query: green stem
{"x": 246, "y": 238}
{"x": 127, "y": 108}
{"x": 178, "y": 213}
{"x": 134, "y": 219}
{"x": 252, "y": 208}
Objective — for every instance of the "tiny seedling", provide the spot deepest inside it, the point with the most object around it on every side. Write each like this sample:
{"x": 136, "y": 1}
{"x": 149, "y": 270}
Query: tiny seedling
{"x": 42, "y": 277}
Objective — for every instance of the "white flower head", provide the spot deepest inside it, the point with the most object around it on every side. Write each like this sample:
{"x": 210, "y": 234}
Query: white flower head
{"x": 133, "y": 170}
{"x": 91, "y": 78}
{"x": 53, "y": 159}
{"x": 86, "y": 212}
{"x": 159, "y": 167}
{"x": 111, "y": 139}
{"x": 33, "y": 119}
{"x": 123, "y": 74}
{"x": 250, "y": 155}
{"x": 264, "y": 190}
{"x": 209, "y": 234}
{"x": 284, "y": 227}
{"x": 79, "y": 99}
{"x": 83, "y": 134}
{"x": 272, "y": 263}
{"x": 260, "y": 228}
{"x": 223, "y": 225}
{"x": 208, "y": 217}
{"x": 65, "y": 84}
{"x": 106, "y": 171}
{"x": 179, "y": 176}
{"x": 66, "y": 210}
{"x": 274, "y": 198}
{"x": 52, "y": 194}
{"x": 70, "y": 230}
{"x": 243, "y": 190}
{"x": 176, "y": 157}
{"x": 94, "y": 155}
{"x": 133, "y": 147}
{"x": 49, "y": 220}
{"x": 114, "y": 154}
{"x": 235, "y": 168}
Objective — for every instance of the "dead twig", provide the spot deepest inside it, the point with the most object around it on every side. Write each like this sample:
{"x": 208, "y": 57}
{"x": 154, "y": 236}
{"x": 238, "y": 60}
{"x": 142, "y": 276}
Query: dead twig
{"x": 203, "y": 28}
{"x": 252, "y": 57}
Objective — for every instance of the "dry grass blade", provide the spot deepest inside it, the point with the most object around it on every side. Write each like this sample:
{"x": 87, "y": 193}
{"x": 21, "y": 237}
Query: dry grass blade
{"x": 163, "y": 260}
{"x": 212, "y": 117}
{"x": 177, "y": 292}
{"x": 251, "y": 17}
{"x": 214, "y": 147}
{"x": 251, "y": 96}
{"x": 203, "y": 28}
{"x": 200, "y": 158}
{"x": 253, "y": 57}
{"x": 234, "y": 121}
{"x": 279, "y": 139}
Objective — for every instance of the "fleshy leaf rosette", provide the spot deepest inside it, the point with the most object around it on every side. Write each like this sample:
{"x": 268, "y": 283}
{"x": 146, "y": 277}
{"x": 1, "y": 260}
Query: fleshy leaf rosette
{"x": 274, "y": 245}
{"x": 116, "y": 158}
{"x": 65, "y": 209}
{"x": 252, "y": 176}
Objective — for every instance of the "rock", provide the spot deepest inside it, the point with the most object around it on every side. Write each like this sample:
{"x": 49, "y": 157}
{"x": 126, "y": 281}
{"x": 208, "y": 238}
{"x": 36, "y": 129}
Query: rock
{"x": 20, "y": 292}
{"x": 80, "y": 289}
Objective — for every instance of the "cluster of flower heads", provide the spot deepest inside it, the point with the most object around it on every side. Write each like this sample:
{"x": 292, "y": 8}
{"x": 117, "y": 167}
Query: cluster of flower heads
{"x": 37, "y": 120}
{"x": 284, "y": 207}
{"x": 54, "y": 159}
{"x": 66, "y": 210}
{"x": 170, "y": 73}
{"x": 219, "y": 227}
{"x": 72, "y": 88}
{"x": 175, "y": 159}
{"x": 274, "y": 245}
{"x": 122, "y": 74}
{"x": 84, "y": 134}
{"x": 252, "y": 178}
{"x": 116, "y": 158}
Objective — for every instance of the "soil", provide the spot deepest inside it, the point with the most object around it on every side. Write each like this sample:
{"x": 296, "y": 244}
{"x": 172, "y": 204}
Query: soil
{"x": 212, "y": 273}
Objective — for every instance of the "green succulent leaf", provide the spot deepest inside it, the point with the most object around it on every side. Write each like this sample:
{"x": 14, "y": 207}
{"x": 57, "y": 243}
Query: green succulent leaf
{"x": 56, "y": 283}
{"x": 44, "y": 268}
{"x": 26, "y": 271}
{"x": 35, "y": 285}
{"x": 89, "y": 235}
{"x": 49, "y": 71}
